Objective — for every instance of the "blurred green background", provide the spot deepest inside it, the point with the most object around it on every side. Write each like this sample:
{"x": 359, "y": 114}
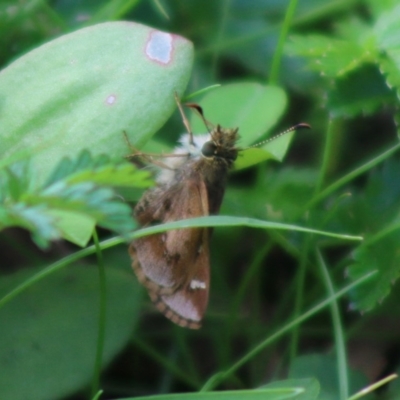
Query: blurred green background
{"x": 337, "y": 64}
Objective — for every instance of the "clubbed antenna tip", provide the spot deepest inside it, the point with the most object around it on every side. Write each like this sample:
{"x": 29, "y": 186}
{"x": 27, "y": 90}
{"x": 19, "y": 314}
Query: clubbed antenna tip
{"x": 297, "y": 127}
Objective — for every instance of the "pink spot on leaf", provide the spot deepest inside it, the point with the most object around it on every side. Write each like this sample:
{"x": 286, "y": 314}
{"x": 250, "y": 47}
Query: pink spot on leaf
{"x": 111, "y": 99}
{"x": 159, "y": 47}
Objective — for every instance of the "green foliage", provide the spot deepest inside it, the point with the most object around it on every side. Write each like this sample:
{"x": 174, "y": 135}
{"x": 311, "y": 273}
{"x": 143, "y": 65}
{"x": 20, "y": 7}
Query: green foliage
{"x": 264, "y": 106}
{"x": 290, "y": 389}
{"x": 79, "y": 189}
{"x": 379, "y": 197}
{"x": 323, "y": 368}
{"x": 86, "y": 88}
{"x": 304, "y": 257}
{"x": 36, "y": 336}
{"x": 354, "y": 60}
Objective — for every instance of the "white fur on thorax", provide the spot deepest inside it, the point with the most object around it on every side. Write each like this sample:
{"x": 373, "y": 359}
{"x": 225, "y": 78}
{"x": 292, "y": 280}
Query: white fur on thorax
{"x": 193, "y": 152}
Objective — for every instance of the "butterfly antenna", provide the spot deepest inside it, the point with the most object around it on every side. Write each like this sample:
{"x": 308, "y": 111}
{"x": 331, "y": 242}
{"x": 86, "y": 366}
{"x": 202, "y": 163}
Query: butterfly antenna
{"x": 297, "y": 127}
{"x": 209, "y": 126}
{"x": 184, "y": 119}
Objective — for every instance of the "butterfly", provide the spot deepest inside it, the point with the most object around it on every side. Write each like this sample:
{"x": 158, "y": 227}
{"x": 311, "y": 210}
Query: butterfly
{"x": 174, "y": 266}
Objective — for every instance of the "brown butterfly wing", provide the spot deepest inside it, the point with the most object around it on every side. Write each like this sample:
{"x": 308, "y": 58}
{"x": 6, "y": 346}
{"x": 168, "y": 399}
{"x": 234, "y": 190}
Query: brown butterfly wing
{"x": 174, "y": 265}
{"x": 187, "y": 305}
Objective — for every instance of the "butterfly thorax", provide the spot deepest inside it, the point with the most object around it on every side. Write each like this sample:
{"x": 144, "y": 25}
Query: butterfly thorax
{"x": 208, "y": 159}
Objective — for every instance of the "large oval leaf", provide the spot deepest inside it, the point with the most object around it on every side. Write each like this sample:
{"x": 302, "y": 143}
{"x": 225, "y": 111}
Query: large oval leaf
{"x": 84, "y": 89}
{"x": 254, "y": 109}
{"x": 249, "y": 106}
{"x": 48, "y": 334}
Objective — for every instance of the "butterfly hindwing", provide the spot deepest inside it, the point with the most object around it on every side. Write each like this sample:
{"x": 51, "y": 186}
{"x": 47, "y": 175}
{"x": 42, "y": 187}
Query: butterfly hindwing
{"x": 174, "y": 265}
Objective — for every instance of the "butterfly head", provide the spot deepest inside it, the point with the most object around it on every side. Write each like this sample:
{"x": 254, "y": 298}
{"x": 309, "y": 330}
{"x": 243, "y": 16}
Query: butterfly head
{"x": 221, "y": 144}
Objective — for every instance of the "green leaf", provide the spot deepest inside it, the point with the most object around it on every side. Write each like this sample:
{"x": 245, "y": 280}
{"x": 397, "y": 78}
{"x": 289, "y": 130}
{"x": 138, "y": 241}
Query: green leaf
{"x": 83, "y": 162}
{"x": 329, "y": 56}
{"x": 310, "y": 386}
{"x": 77, "y": 195}
{"x": 323, "y": 368}
{"x": 274, "y": 149}
{"x": 391, "y": 72}
{"x": 361, "y": 92}
{"x": 393, "y": 390}
{"x": 82, "y": 90}
{"x": 223, "y": 220}
{"x": 278, "y": 393}
{"x": 48, "y": 333}
{"x": 100, "y": 170}
{"x": 382, "y": 256}
{"x": 377, "y": 7}
{"x": 380, "y": 196}
{"x": 98, "y": 202}
{"x": 254, "y": 109}
{"x": 376, "y": 211}
{"x": 34, "y": 218}
{"x": 16, "y": 179}
{"x": 387, "y": 29}
{"x": 282, "y": 186}
{"x": 252, "y": 156}
{"x": 77, "y": 227}
{"x": 272, "y": 198}
{"x": 356, "y": 29}
{"x": 251, "y": 107}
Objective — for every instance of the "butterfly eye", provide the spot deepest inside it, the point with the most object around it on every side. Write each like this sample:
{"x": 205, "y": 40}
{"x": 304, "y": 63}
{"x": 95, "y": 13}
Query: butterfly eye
{"x": 208, "y": 149}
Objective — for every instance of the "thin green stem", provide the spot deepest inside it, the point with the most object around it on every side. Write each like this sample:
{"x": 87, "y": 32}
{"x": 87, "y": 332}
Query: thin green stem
{"x": 323, "y": 9}
{"x": 97, "y": 395}
{"x": 161, "y": 9}
{"x": 202, "y": 221}
{"x": 102, "y": 315}
{"x": 229, "y": 43}
{"x": 305, "y": 249}
{"x": 374, "y": 386}
{"x": 54, "y": 16}
{"x": 224, "y": 220}
{"x": 219, "y": 36}
{"x": 251, "y": 272}
{"x": 315, "y": 14}
{"x": 341, "y": 353}
{"x": 277, "y": 58}
{"x": 172, "y": 367}
{"x": 294, "y": 340}
{"x": 201, "y": 91}
{"x": 216, "y": 379}
{"x": 58, "y": 265}
{"x": 191, "y": 366}
{"x": 350, "y": 176}
{"x": 113, "y": 10}
{"x": 300, "y": 278}
{"x": 328, "y": 148}
{"x": 382, "y": 233}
